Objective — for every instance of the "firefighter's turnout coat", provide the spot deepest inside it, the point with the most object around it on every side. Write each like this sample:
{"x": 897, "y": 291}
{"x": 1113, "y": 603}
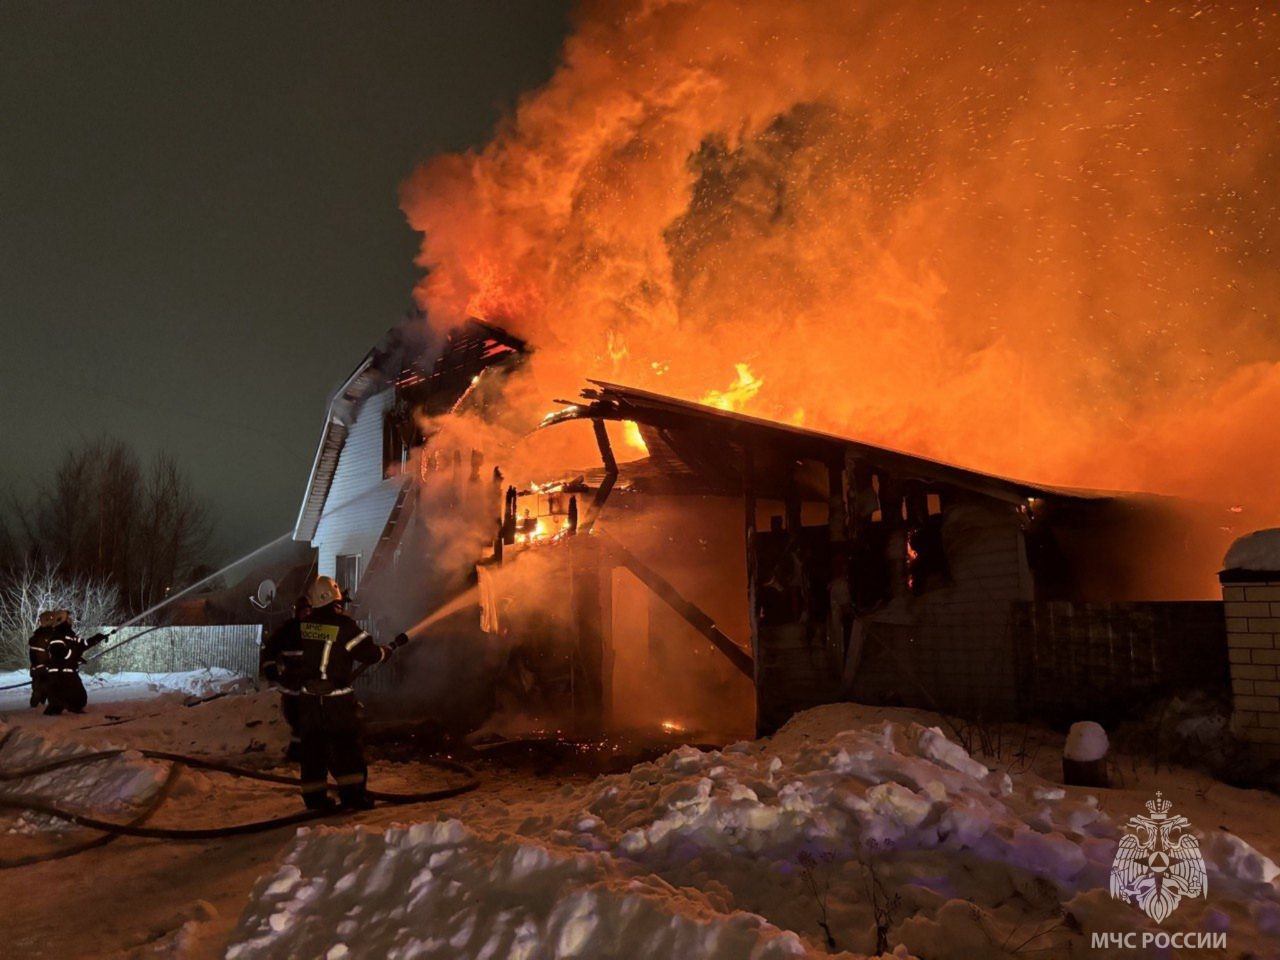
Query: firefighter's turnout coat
{"x": 38, "y": 654}
{"x": 317, "y": 656}
{"x": 56, "y": 654}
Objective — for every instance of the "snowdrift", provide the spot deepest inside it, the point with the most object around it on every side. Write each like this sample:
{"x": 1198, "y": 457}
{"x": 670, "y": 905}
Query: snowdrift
{"x": 745, "y": 853}
{"x": 122, "y": 686}
{"x": 113, "y": 787}
{"x": 436, "y": 890}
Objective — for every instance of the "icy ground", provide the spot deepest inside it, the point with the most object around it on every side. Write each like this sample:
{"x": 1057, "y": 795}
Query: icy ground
{"x": 120, "y": 687}
{"x": 744, "y": 853}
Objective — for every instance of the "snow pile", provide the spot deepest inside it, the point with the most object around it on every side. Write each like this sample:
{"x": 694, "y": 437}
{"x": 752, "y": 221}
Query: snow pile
{"x": 1086, "y": 742}
{"x": 193, "y": 683}
{"x": 819, "y": 841}
{"x": 123, "y": 686}
{"x": 434, "y": 890}
{"x": 1258, "y": 551}
{"x": 111, "y": 787}
{"x": 893, "y": 786}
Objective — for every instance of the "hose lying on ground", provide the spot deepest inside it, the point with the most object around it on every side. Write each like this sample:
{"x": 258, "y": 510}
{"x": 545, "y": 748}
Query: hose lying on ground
{"x": 101, "y": 841}
{"x": 136, "y": 828}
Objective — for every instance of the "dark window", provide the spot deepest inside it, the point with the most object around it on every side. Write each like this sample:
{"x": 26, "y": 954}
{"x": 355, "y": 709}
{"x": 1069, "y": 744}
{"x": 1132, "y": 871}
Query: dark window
{"x": 346, "y": 568}
{"x": 395, "y": 451}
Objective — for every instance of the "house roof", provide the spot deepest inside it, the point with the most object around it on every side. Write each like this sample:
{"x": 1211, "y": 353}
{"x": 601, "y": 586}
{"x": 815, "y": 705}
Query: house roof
{"x": 697, "y": 441}
{"x": 341, "y": 413}
{"x": 432, "y": 369}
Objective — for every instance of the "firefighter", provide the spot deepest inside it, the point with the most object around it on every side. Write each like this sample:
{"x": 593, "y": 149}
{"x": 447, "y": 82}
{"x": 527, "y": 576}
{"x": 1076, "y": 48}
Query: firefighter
{"x": 317, "y": 656}
{"x": 38, "y": 653}
{"x": 64, "y": 651}
{"x": 269, "y": 666}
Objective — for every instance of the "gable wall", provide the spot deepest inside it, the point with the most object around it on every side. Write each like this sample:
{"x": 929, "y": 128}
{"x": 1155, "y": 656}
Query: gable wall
{"x": 360, "y": 500}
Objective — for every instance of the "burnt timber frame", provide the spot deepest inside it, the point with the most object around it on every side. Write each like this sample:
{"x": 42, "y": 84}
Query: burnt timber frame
{"x": 691, "y": 612}
{"x": 813, "y": 592}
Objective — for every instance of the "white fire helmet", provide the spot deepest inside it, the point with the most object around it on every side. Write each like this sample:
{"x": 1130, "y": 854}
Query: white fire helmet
{"x": 54, "y": 618}
{"x": 322, "y": 592}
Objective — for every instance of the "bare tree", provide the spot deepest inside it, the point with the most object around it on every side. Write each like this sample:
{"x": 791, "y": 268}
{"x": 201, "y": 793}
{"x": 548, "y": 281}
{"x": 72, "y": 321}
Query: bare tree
{"x": 36, "y": 586}
{"x": 9, "y": 550}
{"x": 104, "y": 516}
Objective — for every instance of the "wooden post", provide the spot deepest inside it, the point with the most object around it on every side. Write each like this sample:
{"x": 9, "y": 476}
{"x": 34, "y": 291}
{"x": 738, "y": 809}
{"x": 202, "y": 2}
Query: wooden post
{"x": 839, "y": 585}
{"x": 791, "y": 506}
{"x": 588, "y": 618}
{"x": 837, "y": 512}
{"x": 608, "y": 652}
{"x": 753, "y": 612}
{"x": 862, "y": 497}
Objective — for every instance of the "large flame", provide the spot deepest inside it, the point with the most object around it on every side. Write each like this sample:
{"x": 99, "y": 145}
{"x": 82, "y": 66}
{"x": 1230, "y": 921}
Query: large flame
{"x": 1036, "y": 238}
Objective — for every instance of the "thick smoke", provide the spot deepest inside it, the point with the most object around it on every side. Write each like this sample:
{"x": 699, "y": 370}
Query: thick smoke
{"x": 1035, "y": 238}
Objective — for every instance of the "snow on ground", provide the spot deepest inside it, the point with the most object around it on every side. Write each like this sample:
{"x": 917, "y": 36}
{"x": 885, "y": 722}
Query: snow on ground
{"x": 437, "y": 890}
{"x": 124, "y": 686}
{"x": 745, "y": 852}
{"x": 120, "y": 784}
{"x": 244, "y": 727}
{"x": 847, "y": 812}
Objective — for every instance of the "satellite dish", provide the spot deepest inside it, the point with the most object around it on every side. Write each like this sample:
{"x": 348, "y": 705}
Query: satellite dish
{"x": 266, "y": 594}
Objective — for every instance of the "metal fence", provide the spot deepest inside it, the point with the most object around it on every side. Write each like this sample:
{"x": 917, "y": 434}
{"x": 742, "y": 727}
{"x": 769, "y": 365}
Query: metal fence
{"x": 179, "y": 649}
{"x": 1114, "y": 656}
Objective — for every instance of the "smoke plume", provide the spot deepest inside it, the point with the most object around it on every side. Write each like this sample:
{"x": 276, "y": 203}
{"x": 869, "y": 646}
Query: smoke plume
{"x": 1036, "y": 238}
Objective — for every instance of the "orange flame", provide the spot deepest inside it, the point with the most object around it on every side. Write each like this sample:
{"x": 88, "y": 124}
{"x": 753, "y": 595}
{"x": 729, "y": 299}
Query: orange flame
{"x": 737, "y": 396}
{"x": 1039, "y": 239}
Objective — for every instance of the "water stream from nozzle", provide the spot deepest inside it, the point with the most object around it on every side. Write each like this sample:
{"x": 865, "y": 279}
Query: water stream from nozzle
{"x": 467, "y": 598}
{"x": 182, "y": 593}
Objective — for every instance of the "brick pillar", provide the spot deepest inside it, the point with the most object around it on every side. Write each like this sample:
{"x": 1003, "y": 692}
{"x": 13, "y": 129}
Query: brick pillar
{"x": 1252, "y": 605}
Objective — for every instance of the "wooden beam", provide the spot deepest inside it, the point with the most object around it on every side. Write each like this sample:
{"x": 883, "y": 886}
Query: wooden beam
{"x": 837, "y": 516}
{"x": 692, "y": 613}
{"x": 610, "y": 475}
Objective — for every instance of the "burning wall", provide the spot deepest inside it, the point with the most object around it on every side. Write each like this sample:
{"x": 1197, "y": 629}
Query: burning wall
{"x": 1037, "y": 239}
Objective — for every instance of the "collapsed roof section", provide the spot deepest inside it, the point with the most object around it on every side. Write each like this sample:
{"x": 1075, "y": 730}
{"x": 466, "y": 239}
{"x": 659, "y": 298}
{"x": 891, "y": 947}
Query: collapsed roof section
{"x": 699, "y": 449}
{"x": 436, "y": 381}
{"x": 429, "y": 370}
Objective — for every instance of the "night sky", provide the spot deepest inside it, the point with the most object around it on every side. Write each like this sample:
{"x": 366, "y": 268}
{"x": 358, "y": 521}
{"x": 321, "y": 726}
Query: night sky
{"x": 199, "y": 231}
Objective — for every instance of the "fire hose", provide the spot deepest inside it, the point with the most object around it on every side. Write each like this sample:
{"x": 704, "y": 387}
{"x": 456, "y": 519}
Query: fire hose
{"x": 136, "y": 827}
{"x": 163, "y": 603}
{"x": 140, "y": 633}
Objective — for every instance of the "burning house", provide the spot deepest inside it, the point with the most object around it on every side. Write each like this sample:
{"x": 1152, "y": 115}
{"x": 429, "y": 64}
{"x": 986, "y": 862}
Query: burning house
{"x": 741, "y": 569}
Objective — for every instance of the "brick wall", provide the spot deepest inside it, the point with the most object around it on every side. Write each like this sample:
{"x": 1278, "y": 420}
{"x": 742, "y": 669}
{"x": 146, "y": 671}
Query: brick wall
{"x": 1253, "y": 646}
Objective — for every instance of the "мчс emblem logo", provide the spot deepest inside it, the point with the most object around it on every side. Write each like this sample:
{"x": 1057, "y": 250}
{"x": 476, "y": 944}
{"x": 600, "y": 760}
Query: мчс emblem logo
{"x": 1158, "y": 862}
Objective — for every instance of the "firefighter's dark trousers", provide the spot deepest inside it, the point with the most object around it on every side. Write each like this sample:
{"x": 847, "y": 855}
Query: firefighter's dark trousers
{"x": 38, "y": 695}
{"x": 64, "y": 690}
{"x": 330, "y": 729}
{"x": 289, "y": 710}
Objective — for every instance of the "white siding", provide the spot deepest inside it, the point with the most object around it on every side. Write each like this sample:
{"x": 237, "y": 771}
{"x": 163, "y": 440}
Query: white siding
{"x": 359, "y": 500}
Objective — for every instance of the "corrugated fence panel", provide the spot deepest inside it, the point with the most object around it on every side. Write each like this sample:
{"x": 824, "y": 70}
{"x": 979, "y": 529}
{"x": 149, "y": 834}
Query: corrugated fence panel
{"x": 232, "y": 647}
{"x": 1113, "y": 657}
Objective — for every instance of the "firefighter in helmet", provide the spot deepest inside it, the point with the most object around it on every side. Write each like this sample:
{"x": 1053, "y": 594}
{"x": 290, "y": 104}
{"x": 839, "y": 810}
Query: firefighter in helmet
{"x": 269, "y": 667}
{"x": 38, "y": 654}
{"x": 60, "y": 652}
{"x": 317, "y": 656}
